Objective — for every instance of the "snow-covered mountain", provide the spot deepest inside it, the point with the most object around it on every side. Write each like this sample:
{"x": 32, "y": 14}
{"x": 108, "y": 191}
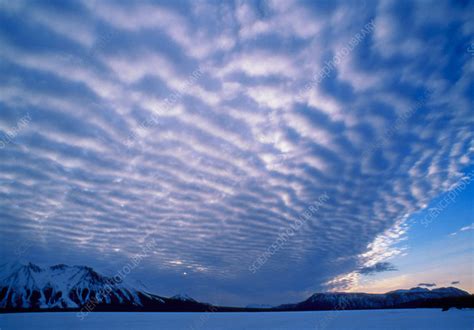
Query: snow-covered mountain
{"x": 393, "y": 299}
{"x": 60, "y": 286}
{"x": 182, "y": 297}
{"x": 30, "y": 287}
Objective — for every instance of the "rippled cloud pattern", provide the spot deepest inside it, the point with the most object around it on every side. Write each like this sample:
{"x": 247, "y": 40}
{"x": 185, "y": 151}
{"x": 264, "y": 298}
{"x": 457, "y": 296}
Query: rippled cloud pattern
{"x": 191, "y": 123}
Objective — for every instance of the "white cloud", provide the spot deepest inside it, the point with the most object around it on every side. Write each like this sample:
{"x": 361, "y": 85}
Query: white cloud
{"x": 242, "y": 152}
{"x": 465, "y": 228}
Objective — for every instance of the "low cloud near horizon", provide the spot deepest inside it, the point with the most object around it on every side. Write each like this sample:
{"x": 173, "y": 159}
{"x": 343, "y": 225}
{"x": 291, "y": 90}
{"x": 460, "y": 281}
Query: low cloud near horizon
{"x": 428, "y": 285}
{"x": 377, "y": 268}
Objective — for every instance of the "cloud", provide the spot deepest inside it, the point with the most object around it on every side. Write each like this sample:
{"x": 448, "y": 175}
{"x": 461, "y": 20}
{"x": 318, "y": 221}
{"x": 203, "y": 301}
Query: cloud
{"x": 428, "y": 285}
{"x": 242, "y": 152}
{"x": 377, "y": 268}
{"x": 465, "y": 228}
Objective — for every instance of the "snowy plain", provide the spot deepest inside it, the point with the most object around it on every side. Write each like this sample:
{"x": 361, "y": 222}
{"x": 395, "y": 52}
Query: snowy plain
{"x": 366, "y": 319}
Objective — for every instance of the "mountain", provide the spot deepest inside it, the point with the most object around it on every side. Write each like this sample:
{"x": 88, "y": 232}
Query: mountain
{"x": 260, "y": 306}
{"x": 25, "y": 288}
{"x": 62, "y": 287}
{"x": 183, "y": 297}
{"x": 414, "y": 297}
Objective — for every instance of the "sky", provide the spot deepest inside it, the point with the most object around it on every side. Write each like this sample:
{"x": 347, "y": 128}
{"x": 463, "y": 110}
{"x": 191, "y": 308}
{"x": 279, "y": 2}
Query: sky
{"x": 267, "y": 150}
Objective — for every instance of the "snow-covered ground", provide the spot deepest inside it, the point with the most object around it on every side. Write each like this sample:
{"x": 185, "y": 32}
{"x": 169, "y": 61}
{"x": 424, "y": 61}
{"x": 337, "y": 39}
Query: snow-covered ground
{"x": 375, "y": 319}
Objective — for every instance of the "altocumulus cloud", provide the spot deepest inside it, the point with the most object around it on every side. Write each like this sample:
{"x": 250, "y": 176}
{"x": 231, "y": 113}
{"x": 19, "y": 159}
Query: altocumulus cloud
{"x": 243, "y": 152}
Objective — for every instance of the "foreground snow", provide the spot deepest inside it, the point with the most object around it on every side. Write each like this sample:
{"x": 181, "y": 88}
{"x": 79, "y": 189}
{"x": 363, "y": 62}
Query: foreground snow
{"x": 375, "y": 319}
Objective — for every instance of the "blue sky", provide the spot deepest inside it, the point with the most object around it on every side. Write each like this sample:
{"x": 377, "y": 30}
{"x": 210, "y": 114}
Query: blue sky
{"x": 211, "y": 127}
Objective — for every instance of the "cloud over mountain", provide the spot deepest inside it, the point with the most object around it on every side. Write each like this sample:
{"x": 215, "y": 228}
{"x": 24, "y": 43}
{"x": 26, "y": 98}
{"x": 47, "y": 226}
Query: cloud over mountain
{"x": 428, "y": 285}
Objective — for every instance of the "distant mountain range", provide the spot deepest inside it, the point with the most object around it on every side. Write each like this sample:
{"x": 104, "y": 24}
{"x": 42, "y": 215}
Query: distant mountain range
{"x": 61, "y": 287}
{"x": 80, "y": 288}
{"x": 415, "y": 297}
{"x": 260, "y": 306}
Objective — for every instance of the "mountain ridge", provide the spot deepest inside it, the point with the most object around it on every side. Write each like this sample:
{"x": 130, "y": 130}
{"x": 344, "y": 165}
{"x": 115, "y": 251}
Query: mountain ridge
{"x": 361, "y": 300}
{"x": 60, "y": 287}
